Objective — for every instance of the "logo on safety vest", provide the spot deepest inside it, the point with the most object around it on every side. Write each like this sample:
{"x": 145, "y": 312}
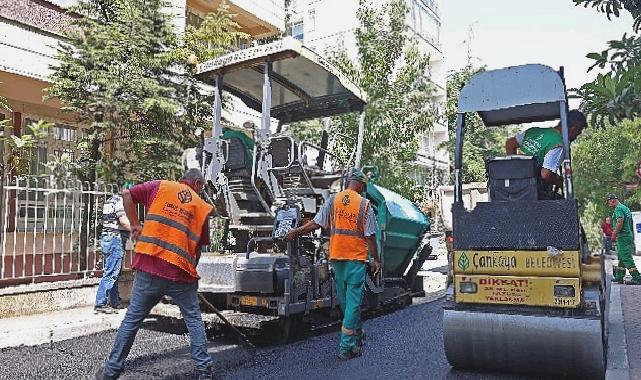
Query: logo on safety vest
{"x": 345, "y": 200}
{"x": 184, "y": 196}
{"x": 463, "y": 262}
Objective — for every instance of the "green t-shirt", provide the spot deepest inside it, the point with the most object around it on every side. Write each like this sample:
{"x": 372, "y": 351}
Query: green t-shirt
{"x": 622, "y": 211}
{"x": 538, "y": 142}
{"x": 249, "y": 143}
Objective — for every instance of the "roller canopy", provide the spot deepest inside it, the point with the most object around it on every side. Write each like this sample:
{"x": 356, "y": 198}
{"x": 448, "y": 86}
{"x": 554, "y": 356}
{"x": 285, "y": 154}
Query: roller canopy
{"x": 304, "y": 85}
{"x": 514, "y": 95}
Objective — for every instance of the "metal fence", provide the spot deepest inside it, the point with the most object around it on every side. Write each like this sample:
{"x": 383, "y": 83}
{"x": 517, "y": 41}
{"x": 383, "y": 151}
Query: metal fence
{"x": 51, "y": 229}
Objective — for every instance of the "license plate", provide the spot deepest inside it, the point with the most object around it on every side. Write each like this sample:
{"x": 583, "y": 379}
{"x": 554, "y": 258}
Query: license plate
{"x": 249, "y": 301}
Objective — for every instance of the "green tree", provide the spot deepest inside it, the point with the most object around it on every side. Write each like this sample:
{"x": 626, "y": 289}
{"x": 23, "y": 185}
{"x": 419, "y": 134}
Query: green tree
{"x": 129, "y": 78}
{"x": 214, "y": 36}
{"x": 616, "y": 94}
{"x": 604, "y": 160}
{"x": 394, "y": 74}
{"x": 17, "y": 162}
{"x": 480, "y": 142}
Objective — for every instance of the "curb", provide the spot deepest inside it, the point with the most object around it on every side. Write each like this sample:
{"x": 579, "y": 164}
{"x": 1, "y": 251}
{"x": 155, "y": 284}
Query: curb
{"x": 618, "y": 367}
{"x": 47, "y": 328}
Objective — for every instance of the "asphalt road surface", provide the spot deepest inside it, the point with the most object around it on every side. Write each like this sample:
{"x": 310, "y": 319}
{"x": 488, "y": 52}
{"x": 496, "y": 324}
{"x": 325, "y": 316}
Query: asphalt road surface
{"x": 406, "y": 344}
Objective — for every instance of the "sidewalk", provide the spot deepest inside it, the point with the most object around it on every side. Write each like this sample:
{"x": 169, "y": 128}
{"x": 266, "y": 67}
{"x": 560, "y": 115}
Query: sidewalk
{"x": 624, "y": 341}
{"x": 55, "y": 326}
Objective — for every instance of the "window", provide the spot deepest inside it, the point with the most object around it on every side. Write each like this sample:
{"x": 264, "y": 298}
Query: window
{"x": 244, "y": 44}
{"x": 431, "y": 4}
{"x": 413, "y": 15}
{"x": 193, "y": 18}
{"x": 311, "y": 18}
{"x": 64, "y": 132}
{"x": 60, "y": 139}
{"x": 297, "y": 30}
{"x": 427, "y": 145}
{"x": 71, "y": 154}
{"x": 37, "y": 159}
{"x": 424, "y": 21}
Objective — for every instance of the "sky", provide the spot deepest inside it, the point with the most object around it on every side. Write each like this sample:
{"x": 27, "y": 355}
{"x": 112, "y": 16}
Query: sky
{"x": 513, "y": 32}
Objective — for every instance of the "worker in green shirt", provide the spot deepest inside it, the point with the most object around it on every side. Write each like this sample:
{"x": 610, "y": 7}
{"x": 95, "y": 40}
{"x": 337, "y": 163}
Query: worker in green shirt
{"x": 624, "y": 236}
{"x": 546, "y": 144}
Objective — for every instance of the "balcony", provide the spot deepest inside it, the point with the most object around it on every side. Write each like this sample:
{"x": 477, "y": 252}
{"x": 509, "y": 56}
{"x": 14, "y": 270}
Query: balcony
{"x": 258, "y": 18}
{"x": 21, "y": 43}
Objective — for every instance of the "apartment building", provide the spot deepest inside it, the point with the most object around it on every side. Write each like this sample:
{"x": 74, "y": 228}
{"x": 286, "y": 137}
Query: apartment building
{"x": 43, "y": 230}
{"x": 258, "y": 18}
{"x": 324, "y": 24}
{"x": 30, "y": 31}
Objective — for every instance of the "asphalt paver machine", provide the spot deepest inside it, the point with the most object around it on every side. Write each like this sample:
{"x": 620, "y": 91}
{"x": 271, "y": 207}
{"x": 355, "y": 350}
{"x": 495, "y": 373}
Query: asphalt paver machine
{"x": 525, "y": 294}
{"x": 268, "y": 182}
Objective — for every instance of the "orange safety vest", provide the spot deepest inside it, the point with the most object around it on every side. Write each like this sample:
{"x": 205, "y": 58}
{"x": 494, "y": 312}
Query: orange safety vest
{"x": 347, "y": 226}
{"x": 173, "y": 226}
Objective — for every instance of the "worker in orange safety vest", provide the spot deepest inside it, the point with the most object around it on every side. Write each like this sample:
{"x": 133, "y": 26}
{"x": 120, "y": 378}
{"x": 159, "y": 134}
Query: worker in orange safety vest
{"x": 352, "y": 225}
{"x": 167, "y": 253}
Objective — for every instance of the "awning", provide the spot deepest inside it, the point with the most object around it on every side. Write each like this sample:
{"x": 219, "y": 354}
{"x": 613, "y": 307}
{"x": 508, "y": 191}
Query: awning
{"x": 304, "y": 84}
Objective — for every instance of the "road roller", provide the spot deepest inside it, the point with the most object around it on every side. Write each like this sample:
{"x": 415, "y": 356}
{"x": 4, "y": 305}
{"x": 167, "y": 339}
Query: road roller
{"x": 525, "y": 294}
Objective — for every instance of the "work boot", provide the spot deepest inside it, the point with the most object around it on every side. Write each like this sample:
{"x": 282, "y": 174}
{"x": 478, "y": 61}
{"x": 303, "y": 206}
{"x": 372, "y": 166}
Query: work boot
{"x": 207, "y": 374}
{"x": 361, "y": 341}
{"x": 633, "y": 282}
{"x": 104, "y": 309}
{"x": 100, "y": 375}
{"x": 354, "y": 353}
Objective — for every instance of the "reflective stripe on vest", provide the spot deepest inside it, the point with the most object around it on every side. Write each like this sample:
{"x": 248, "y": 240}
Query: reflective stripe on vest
{"x": 173, "y": 226}
{"x": 168, "y": 246}
{"x": 348, "y": 243}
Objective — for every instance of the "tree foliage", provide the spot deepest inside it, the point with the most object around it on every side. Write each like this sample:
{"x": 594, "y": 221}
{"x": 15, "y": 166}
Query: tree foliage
{"x": 604, "y": 160}
{"x": 616, "y": 94}
{"x": 129, "y": 78}
{"x": 17, "y": 162}
{"x": 214, "y": 36}
{"x": 480, "y": 142}
{"x": 394, "y": 75}
{"x": 614, "y": 7}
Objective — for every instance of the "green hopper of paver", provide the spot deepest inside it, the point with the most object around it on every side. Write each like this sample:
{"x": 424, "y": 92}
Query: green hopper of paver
{"x": 402, "y": 226}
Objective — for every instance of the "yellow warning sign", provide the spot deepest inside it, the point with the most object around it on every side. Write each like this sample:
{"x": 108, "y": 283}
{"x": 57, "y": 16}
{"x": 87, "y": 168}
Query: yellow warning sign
{"x": 509, "y": 290}
{"x": 517, "y": 263}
